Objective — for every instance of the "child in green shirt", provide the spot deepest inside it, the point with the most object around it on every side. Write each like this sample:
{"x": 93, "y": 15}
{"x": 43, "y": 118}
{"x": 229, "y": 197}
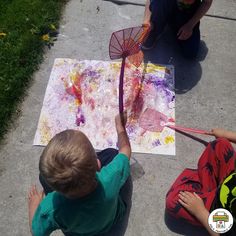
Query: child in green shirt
{"x": 82, "y": 187}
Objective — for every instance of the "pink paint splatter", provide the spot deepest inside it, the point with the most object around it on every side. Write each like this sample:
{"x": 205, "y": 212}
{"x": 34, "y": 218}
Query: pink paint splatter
{"x": 152, "y": 120}
{"x": 91, "y": 103}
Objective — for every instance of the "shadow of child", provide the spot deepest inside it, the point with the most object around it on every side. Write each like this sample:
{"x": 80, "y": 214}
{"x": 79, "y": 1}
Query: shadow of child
{"x": 188, "y": 72}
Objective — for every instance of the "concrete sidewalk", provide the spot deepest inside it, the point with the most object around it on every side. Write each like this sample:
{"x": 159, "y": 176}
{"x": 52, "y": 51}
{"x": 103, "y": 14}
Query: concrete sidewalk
{"x": 206, "y": 96}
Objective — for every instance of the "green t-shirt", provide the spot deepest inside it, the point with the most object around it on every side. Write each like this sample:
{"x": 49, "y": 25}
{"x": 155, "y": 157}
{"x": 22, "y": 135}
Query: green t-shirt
{"x": 90, "y": 215}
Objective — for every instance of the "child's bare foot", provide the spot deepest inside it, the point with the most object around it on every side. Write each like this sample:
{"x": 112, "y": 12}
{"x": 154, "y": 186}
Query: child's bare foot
{"x": 34, "y": 199}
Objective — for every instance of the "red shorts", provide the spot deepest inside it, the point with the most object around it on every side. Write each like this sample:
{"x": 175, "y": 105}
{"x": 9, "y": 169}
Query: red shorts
{"x": 215, "y": 164}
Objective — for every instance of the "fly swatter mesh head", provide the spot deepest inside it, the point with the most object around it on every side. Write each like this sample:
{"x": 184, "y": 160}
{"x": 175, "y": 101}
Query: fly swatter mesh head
{"x": 126, "y": 42}
{"x": 152, "y": 120}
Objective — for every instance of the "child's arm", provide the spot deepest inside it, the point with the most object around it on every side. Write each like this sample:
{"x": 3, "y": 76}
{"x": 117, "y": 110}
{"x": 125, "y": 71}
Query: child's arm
{"x": 221, "y": 133}
{"x": 195, "y": 205}
{"x": 123, "y": 139}
{"x": 34, "y": 199}
{"x": 147, "y": 14}
{"x": 186, "y": 30}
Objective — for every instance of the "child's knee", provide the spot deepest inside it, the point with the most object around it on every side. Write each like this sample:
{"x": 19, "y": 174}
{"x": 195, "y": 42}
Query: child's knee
{"x": 173, "y": 207}
{"x": 171, "y": 201}
{"x": 222, "y": 143}
{"x": 222, "y": 140}
{"x": 189, "y": 51}
{"x": 111, "y": 150}
{"x": 223, "y": 149}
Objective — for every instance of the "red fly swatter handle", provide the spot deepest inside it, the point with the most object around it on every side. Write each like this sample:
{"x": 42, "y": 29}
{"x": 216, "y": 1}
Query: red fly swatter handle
{"x": 197, "y": 131}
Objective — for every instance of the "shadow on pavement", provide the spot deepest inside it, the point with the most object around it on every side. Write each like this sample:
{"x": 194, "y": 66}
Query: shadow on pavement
{"x": 136, "y": 170}
{"x": 182, "y": 227}
{"x": 187, "y": 72}
{"x": 121, "y": 3}
{"x": 126, "y": 194}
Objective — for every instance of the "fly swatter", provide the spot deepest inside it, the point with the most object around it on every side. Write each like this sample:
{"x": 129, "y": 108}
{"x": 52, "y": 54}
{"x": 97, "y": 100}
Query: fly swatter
{"x": 155, "y": 121}
{"x": 127, "y": 43}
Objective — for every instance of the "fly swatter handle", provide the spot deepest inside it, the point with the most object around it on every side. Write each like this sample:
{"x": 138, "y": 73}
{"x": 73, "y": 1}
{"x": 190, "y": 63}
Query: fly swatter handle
{"x": 197, "y": 131}
{"x": 121, "y": 87}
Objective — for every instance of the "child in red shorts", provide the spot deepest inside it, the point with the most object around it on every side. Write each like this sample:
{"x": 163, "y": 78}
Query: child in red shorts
{"x": 197, "y": 192}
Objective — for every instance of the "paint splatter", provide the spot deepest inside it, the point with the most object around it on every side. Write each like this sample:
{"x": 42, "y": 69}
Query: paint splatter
{"x": 156, "y": 143}
{"x": 169, "y": 139}
{"x": 109, "y": 142}
{"x": 137, "y": 106}
{"x": 152, "y": 120}
{"x": 80, "y": 119}
{"x": 130, "y": 129}
{"x": 84, "y": 95}
{"x": 46, "y": 130}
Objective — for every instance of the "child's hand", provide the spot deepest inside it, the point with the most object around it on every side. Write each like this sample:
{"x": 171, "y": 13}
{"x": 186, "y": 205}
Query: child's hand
{"x": 34, "y": 199}
{"x": 218, "y": 132}
{"x": 185, "y": 32}
{"x": 34, "y": 196}
{"x": 192, "y": 202}
{"x": 147, "y": 25}
{"x": 120, "y": 121}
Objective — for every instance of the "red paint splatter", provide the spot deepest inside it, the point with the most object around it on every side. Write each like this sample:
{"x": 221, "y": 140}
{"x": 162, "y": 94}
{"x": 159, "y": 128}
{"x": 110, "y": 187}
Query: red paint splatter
{"x": 74, "y": 89}
{"x": 172, "y": 120}
{"x": 137, "y": 106}
{"x": 91, "y": 102}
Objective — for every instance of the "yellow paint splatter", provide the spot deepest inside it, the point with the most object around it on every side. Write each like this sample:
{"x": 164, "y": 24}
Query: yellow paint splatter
{"x": 155, "y": 135}
{"x": 73, "y": 77}
{"x": 169, "y": 139}
{"x": 93, "y": 86}
{"x": 101, "y": 70}
{"x": 45, "y": 131}
{"x": 78, "y": 102}
{"x": 154, "y": 68}
{"x": 116, "y": 66}
{"x": 70, "y": 108}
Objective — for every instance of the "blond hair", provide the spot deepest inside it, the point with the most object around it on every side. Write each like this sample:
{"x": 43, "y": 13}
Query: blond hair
{"x": 68, "y": 164}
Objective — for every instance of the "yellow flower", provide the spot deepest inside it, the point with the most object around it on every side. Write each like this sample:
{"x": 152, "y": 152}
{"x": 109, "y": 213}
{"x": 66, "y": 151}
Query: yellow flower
{"x": 45, "y": 37}
{"x": 2, "y": 34}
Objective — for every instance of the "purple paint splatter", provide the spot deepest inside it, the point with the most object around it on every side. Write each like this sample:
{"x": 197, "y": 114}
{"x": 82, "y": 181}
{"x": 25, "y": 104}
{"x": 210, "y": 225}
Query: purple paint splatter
{"x": 156, "y": 143}
{"x": 130, "y": 129}
{"x": 80, "y": 119}
{"x": 109, "y": 142}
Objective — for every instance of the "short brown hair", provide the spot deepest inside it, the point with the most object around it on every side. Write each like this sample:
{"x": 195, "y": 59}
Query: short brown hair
{"x": 68, "y": 163}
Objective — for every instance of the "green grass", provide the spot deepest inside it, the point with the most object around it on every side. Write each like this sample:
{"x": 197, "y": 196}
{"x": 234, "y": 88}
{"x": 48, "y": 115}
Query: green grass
{"x": 21, "y": 49}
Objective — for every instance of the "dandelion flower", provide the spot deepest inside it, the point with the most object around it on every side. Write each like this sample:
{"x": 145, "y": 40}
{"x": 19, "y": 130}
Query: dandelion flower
{"x": 45, "y": 37}
{"x": 2, "y": 34}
